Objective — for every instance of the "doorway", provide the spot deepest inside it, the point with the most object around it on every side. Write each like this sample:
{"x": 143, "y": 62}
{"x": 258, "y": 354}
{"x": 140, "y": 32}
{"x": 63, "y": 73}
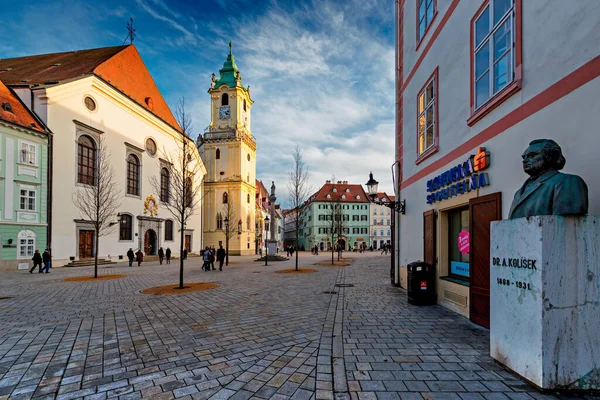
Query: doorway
{"x": 150, "y": 242}
{"x": 188, "y": 243}
{"x": 482, "y": 211}
{"x": 86, "y": 244}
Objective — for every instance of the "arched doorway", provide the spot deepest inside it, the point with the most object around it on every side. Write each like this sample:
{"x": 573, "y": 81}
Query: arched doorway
{"x": 150, "y": 242}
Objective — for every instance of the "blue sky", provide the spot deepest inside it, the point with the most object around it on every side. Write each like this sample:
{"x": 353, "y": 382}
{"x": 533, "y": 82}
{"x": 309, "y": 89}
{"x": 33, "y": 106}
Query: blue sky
{"x": 321, "y": 72}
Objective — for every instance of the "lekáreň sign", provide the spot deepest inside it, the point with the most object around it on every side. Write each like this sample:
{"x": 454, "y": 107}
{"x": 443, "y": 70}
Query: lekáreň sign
{"x": 460, "y": 179}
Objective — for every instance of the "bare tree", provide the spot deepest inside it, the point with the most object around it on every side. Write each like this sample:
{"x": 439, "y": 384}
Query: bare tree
{"x": 336, "y": 224}
{"x": 298, "y": 191}
{"x": 229, "y": 216}
{"x": 180, "y": 189}
{"x": 99, "y": 198}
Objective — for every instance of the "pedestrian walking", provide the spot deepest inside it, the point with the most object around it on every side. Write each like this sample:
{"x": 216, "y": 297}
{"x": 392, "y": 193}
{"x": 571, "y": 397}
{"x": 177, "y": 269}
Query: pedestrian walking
{"x": 221, "y": 257}
{"x": 161, "y": 255}
{"x": 185, "y": 254}
{"x": 139, "y": 256}
{"x": 130, "y": 256}
{"x": 206, "y": 259}
{"x": 168, "y": 255}
{"x": 46, "y": 261}
{"x": 37, "y": 261}
{"x": 213, "y": 254}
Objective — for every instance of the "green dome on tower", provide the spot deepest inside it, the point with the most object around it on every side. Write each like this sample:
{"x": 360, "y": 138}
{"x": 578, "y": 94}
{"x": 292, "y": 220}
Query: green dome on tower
{"x": 229, "y": 75}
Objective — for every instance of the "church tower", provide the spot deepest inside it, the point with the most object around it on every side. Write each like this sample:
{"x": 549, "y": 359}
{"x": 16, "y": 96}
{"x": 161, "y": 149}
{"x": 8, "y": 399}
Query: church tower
{"x": 228, "y": 151}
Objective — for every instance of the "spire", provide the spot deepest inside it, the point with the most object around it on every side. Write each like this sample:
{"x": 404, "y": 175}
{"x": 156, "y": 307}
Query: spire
{"x": 229, "y": 74}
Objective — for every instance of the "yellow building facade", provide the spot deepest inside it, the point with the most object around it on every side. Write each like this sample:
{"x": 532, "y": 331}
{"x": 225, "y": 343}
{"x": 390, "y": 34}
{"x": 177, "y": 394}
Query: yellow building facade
{"x": 228, "y": 151}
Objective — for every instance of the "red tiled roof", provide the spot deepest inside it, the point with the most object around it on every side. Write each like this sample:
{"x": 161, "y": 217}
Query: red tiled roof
{"x": 20, "y": 115}
{"x": 121, "y": 66}
{"x": 345, "y": 193}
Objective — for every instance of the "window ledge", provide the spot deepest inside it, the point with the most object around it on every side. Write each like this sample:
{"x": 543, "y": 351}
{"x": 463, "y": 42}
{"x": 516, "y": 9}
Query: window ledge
{"x": 422, "y": 39}
{"x": 133, "y": 196}
{"x": 455, "y": 280}
{"x": 428, "y": 153}
{"x": 27, "y": 164}
{"x": 494, "y": 102}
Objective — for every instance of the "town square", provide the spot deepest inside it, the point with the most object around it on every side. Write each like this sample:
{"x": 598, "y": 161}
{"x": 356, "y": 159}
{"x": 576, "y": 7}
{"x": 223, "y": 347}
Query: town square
{"x": 318, "y": 199}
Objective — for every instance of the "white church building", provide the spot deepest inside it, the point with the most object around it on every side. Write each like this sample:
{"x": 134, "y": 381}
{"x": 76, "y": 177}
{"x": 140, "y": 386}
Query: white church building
{"x": 107, "y": 93}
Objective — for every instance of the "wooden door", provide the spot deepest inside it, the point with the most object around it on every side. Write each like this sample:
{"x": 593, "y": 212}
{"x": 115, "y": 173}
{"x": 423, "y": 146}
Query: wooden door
{"x": 86, "y": 244}
{"x": 482, "y": 211}
{"x": 429, "y": 255}
{"x": 188, "y": 243}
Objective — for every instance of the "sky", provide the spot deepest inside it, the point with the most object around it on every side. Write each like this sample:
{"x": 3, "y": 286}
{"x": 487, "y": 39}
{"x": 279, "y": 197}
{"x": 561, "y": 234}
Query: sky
{"x": 321, "y": 72}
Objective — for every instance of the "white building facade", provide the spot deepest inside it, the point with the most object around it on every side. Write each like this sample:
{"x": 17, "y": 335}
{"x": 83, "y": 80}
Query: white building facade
{"x": 380, "y": 221}
{"x": 477, "y": 81}
{"x": 82, "y": 111}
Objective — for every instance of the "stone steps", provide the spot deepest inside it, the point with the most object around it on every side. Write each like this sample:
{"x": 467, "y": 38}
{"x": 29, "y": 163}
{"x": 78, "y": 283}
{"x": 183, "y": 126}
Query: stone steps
{"x": 87, "y": 262}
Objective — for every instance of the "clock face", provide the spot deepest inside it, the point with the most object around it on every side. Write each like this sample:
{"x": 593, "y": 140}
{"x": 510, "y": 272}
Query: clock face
{"x": 224, "y": 112}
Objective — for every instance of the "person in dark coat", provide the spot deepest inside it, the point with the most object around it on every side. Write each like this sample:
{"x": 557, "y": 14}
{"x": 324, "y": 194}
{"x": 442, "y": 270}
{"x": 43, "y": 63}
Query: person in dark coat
{"x": 139, "y": 256}
{"x": 46, "y": 261}
{"x": 185, "y": 254}
{"x": 213, "y": 254}
{"x": 168, "y": 255}
{"x": 221, "y": 257}
{"x": 161, "y": 255}
{"x": 130, "y": 256}
{"x": 37, "y": 261}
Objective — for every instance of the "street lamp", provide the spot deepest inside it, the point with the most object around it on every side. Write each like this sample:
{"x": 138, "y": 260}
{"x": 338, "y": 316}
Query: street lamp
{"x": 226, "y": 241}
{"x": 396, "y": 207}
{"x": 266, "y": 239}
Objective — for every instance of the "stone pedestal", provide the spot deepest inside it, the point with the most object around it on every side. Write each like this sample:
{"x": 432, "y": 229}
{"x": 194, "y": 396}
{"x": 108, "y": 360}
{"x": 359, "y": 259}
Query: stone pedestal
{"x": 272, "y": 246}
{"x": 545, "y": 300}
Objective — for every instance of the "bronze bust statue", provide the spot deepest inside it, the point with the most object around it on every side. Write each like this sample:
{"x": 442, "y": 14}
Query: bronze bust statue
{"x": 547, "y": 191}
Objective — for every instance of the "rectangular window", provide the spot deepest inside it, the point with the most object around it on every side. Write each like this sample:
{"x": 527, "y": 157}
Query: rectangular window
{"x": 27, "y": 155}
{"x": 364, "y": 217}
{"x": 26, "y": 247}
{"x": 458, "y": 234}
{"x": 493, "y": 58}
{"x": 426, "y": 13}
{"x": 427, "y": 116}
{"x": 27, "y": 200}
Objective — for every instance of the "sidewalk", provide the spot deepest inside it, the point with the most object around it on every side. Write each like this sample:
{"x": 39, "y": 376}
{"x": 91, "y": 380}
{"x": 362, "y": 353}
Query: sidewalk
{"x": 260, "y": 335}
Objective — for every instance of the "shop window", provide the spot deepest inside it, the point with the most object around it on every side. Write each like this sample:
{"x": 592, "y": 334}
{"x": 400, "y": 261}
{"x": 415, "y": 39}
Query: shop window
{"x": 458, "y": 247}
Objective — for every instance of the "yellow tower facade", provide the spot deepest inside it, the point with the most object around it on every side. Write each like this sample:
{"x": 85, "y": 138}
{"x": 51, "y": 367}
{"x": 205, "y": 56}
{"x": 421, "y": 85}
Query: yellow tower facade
{"x": 228, "y": 151}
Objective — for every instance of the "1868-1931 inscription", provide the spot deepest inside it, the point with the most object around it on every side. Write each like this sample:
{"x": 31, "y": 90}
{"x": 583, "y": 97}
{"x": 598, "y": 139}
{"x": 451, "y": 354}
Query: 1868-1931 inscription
{"x": 510, "y": 262}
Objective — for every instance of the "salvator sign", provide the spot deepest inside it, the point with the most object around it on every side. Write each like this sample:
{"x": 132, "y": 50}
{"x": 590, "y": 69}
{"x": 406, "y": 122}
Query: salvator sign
{"x": 460, "y": 179}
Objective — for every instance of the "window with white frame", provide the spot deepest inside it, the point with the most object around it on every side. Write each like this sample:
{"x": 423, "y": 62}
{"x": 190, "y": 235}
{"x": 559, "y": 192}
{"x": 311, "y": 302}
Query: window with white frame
{"x": 28, "y": 154}
{"x": 26, "y": 244}
{"x": 426, "y": 14}
{"x": 494, "y": 49}
{"x": 27, "y": 200}
{"x": 426, "y": 122}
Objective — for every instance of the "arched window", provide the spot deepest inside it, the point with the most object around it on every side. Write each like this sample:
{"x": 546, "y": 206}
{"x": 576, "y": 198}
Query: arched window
{"x": 218, "y": 154}
{"x": 168, "y": 229}
{"x": 225, "y": 198}
{"x": 248, "y": 198}
{"x": 86, "y": 160}
{"x": 26, "y": 244}
{"x": 165, "y": 183}
{"x": 244, "y": 104}
{"x": 225, "y": 99}
{"x": 133, "y": 175}
{"x": 219, "y": 221}
{"x": 189, "y": 194}
{"x": 126, "y": 227}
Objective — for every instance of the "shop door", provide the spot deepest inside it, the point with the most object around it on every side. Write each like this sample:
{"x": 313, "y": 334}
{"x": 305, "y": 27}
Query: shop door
{"x": 86, "y": 244}
{"x": 188, "y": 243}
{"x": 482, "y": 211}
{"x": 429, "y": 255}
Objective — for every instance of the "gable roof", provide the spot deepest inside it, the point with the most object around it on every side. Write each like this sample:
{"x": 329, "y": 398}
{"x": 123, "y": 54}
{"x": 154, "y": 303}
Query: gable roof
{"x": 120, "y": 66}
{"x": 14, "y": 111}
{"x": 344, "y": 193}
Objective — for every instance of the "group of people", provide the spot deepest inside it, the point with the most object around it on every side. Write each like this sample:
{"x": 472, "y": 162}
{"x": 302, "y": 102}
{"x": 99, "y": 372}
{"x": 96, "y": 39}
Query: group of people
{"x": 162, "y": 254}
{"x": 315, "y": 250}
{"x": 209, "y": 254}
{"x": 290, "y": 250}
{"x": 39, "y": 259}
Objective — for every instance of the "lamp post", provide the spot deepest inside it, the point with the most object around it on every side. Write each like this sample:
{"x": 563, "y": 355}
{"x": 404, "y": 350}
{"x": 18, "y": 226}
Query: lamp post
{"x": 226, "y": 241}
{"x": 266, "y": 239}
{"x": 396, "y": 207}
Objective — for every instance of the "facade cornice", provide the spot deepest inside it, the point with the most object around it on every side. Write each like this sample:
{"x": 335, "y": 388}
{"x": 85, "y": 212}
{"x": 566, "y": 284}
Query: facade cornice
{"x": 23, "y": 129}
{"x": 88, "y": 127}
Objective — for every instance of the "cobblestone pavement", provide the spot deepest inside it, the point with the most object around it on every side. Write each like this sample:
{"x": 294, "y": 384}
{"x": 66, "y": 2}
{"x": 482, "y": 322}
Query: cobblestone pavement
{"x": 260, "y": 335}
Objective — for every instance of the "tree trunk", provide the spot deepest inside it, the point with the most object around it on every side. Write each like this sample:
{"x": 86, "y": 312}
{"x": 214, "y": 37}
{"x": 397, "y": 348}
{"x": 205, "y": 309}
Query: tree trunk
{"x": 96, "y": 253}
{"x": 296, "y": 254}
{"x": 181, "y": 247}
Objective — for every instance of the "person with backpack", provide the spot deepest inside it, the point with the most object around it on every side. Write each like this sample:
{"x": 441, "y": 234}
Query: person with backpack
{"x": 37, "y": 261}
